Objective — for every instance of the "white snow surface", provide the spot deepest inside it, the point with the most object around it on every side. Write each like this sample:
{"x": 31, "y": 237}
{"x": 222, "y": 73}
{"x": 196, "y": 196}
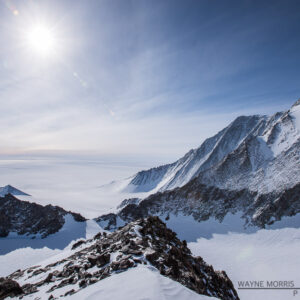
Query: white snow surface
{"x": 140, "y": 283}
{"x": 263, "y": 256}
{"x": 24, "y": 258}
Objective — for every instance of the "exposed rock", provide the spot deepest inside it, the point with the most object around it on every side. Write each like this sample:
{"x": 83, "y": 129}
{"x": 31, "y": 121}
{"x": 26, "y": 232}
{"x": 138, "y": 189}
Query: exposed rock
{"x": 202, "y": 202}
{"x": 109, "y": 219}
{"x": 128, "y": 201}
{"x": 28, "y": 218}
{"x": 78, "y": 244}
{"x": 145, "y": 241}
{"x": 9, "y": 288}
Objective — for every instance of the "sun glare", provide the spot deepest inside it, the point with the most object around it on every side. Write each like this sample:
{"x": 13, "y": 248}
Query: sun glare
{"x": 41, "y": 40}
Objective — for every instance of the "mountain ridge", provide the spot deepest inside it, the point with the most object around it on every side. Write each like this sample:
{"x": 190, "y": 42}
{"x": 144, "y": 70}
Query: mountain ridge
{"x": 145, "y": 242}
{"x": 263, "y": 139}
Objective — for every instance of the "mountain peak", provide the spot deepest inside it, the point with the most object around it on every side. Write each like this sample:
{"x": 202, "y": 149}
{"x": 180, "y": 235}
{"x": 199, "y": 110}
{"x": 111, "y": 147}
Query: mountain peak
{"x": 9, "y": 189}
{"x": 296, "y": 103}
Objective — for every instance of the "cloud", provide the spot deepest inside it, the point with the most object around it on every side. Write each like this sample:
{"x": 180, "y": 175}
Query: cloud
{"x": 141, "y": 80}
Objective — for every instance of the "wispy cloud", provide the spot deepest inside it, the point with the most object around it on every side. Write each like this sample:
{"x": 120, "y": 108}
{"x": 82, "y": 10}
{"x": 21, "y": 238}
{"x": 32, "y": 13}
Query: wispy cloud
{"x": 138, "y": 78}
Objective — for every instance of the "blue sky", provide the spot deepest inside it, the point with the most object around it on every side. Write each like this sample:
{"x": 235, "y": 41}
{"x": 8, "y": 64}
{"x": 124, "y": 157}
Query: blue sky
{"x": 146, "y": 79}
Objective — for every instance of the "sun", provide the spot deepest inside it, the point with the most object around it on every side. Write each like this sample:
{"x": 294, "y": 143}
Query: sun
{"x": 42, "y": 40}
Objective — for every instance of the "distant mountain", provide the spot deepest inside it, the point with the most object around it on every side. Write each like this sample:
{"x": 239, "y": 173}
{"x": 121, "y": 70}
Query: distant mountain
{"x": 250, "y": 171}
{"x": 23, "y": 224}
{"x": 8, "y": 189}
{"x": 144, "y": 250}
{"x": 26, "y": 218}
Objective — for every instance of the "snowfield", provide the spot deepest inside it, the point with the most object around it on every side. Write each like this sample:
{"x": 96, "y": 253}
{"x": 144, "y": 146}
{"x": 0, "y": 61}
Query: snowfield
{"x": 24, "y": 258}
{"x": 140, "y": 283}
{"x": 264, "y": 255}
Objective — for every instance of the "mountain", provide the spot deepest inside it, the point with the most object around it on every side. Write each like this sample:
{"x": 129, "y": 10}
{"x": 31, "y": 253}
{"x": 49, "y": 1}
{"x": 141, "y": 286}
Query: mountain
{"x": 144, "y": 250}
{"x": 8, "y": 189}
{"x": 208, "y": 154}
{"x": 246, "y": 177}
{"x": 23, "y": 223}
{"x": 245, "y": 154}
{"x": 26, "y": 218}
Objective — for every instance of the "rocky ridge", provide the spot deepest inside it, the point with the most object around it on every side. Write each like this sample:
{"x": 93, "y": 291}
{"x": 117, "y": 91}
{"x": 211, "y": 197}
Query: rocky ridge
{"x": 202, "y": 202}
{"x": 31, "y": 219}
{"x": 143, "y": 242}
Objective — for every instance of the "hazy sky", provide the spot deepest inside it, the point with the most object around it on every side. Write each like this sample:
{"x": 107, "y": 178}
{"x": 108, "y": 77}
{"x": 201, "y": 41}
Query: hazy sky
{"x": 146, "y": 79}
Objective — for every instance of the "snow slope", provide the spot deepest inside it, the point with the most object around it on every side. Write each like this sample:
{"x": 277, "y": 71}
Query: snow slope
{"x": 142, "y": 282}
{"x": 23, "y": 258}
{"x": 264, "y": 255}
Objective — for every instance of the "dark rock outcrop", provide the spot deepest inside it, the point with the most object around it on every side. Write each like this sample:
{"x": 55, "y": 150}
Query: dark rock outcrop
{"x": 202, "y": 202}
{"x": 28, "y": 218}
{"x": 9, "y": 288}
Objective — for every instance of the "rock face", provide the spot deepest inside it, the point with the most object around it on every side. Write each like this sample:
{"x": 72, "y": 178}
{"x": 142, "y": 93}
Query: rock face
{"x": 145, "y": 241}
{"x": 27, "y": 218}
{"x": 9, "y": 288}
{"x": 202, "y": 202}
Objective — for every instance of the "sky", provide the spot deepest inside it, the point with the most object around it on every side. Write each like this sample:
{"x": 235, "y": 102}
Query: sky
{"x": 141, "y": 80}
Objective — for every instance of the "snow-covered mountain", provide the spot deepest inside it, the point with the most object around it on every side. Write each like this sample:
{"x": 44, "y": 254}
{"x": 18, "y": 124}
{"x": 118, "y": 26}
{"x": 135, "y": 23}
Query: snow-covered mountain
{"x": 143, "y": 251}
{"x": 256, "y": 152}
{"x": 8, "y": 189}
{"x": 246, "y": 177}
{"x": 208, "y": 154}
